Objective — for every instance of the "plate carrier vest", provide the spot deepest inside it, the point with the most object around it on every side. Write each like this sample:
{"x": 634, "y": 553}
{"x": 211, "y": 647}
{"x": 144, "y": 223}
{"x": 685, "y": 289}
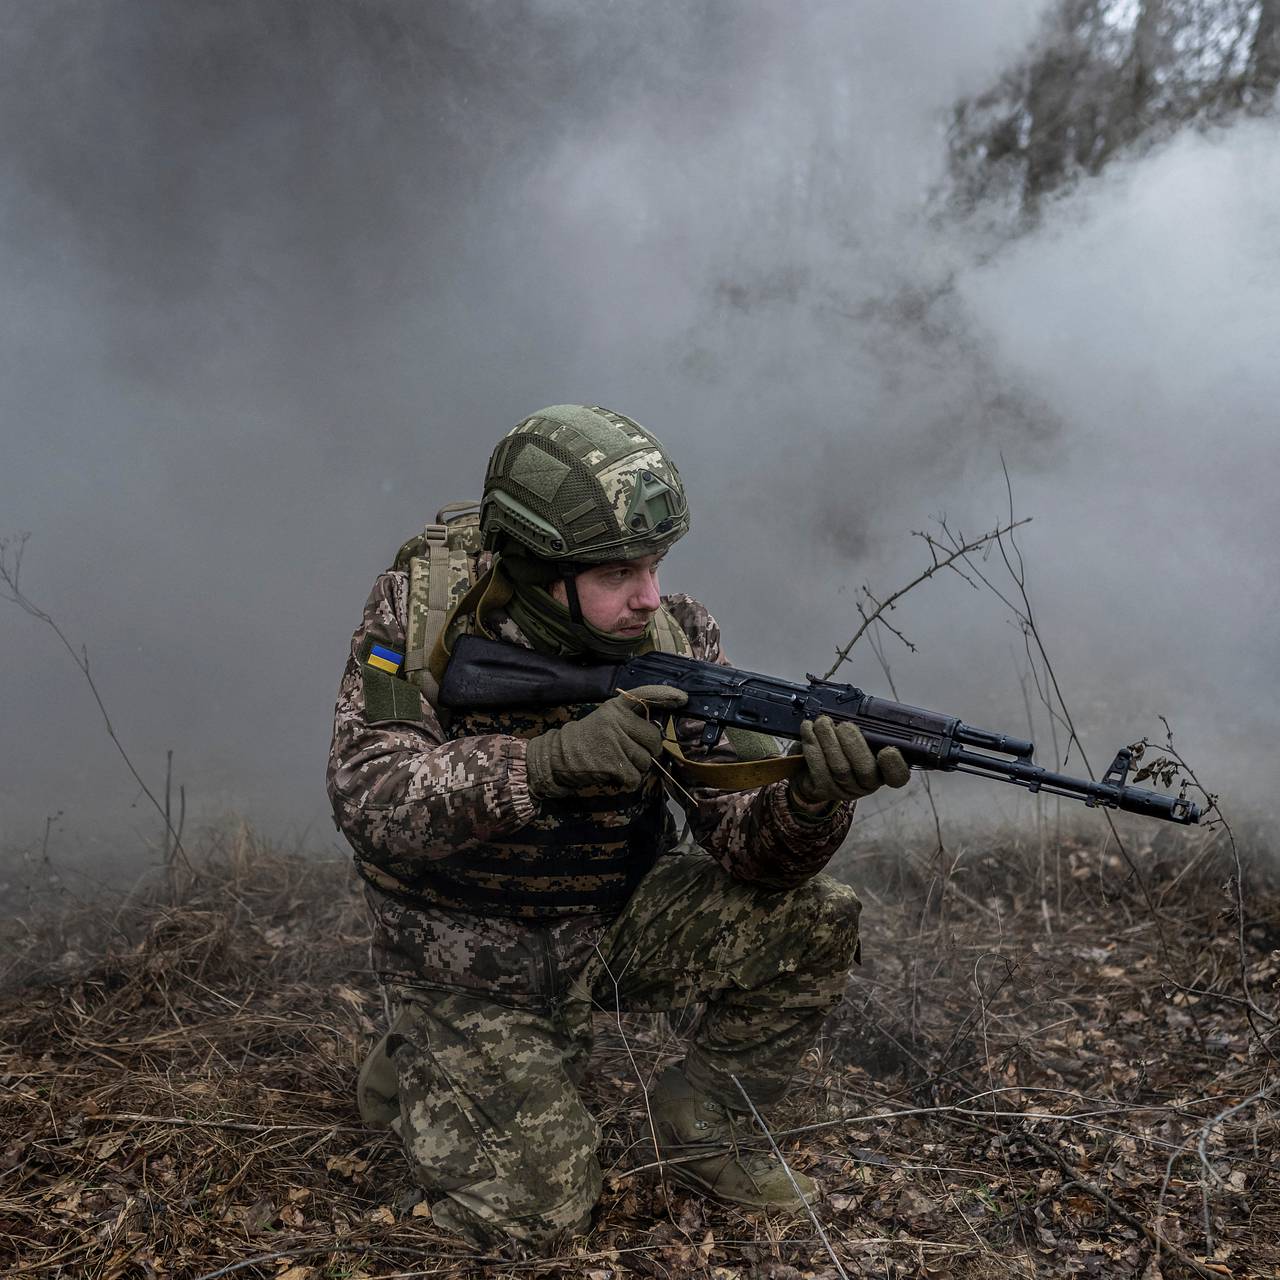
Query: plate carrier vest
{"x": 582, "y": 854}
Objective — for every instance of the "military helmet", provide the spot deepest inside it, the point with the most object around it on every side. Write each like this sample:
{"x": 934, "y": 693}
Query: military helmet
{"x": 582, "y": 484}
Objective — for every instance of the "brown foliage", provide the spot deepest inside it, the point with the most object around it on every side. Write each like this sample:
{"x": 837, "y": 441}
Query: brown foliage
{"x": 1012, "y": 1088}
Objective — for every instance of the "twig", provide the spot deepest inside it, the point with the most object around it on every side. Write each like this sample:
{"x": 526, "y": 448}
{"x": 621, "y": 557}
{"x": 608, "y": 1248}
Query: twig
{"x": 336, "y": 1246}
{"x": 1096, "y": 1192}
{"x": 1251, "y": 1007}
{"x": 940, "y": 852}
{"x": 791, "y": 1177}
{"x": 640, "y": 1080}
{"x": 10, "y": 576}
{"x": 946, "y": 562}
{"x": 1202, "y": 1151}
{"x": 1026, "y": 618}
{"x": 242, "y": 1126}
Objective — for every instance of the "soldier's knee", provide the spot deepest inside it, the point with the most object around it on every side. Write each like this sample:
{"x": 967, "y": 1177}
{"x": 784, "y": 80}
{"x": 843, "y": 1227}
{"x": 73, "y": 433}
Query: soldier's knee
{"x": 831, "y": 911}
{"x": 829, "y": 902}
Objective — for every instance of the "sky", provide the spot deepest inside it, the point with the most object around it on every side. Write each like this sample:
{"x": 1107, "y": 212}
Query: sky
{"x": 276, "y": 279}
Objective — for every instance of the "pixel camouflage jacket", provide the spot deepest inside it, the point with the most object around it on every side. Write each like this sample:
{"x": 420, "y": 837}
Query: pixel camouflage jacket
{"x": 403, "y": 790}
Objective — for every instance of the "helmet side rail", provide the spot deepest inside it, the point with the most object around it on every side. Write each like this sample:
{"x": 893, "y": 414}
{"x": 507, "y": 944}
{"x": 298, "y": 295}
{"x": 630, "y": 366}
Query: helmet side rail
{"x": 489, "y": 674}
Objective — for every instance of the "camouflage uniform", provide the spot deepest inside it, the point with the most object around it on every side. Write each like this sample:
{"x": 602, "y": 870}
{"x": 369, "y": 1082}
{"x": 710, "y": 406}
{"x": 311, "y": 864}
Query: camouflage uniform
{"x": 492, "y": 1011}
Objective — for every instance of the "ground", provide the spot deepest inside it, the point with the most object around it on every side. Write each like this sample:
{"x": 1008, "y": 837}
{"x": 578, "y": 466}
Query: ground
{"x": 1047, "y": 1065}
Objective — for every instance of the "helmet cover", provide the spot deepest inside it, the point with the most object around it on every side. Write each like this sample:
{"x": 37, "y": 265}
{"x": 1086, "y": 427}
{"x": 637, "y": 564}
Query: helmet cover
{"x": 583, "y": 485}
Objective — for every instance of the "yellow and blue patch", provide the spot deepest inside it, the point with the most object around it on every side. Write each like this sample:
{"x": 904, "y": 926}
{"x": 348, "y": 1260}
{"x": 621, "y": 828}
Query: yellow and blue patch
{"x": 385, "y": 659}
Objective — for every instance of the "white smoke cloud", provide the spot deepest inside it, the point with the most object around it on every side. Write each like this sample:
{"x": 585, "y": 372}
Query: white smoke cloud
{"x": 1145, "y": 312}
{"x": 276, "y": 289}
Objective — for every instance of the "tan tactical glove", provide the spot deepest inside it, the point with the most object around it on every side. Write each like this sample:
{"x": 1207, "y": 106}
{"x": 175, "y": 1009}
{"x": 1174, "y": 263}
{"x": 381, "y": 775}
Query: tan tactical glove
{"x": 838, "y": 764}
{"x": 611, "y": 748}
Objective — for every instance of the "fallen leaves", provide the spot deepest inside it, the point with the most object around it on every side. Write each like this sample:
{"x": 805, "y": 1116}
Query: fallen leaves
{"x": 1079, "y": 1037}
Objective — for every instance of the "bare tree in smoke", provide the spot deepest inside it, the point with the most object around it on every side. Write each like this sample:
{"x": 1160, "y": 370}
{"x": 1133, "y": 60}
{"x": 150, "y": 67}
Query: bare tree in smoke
{"x": 1106, "y": 77}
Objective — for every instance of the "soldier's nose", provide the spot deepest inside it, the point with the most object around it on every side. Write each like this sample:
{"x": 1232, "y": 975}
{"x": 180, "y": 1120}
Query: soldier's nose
{"x": 647, "y": 599}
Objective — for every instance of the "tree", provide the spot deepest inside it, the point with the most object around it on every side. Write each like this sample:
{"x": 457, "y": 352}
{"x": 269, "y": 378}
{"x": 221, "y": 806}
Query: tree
{"x": 1107, "y": 77}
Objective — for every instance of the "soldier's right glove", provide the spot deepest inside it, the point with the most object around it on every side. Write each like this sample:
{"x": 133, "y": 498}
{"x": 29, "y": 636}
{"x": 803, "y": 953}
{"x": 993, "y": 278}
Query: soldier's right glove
{"x": 839, "y": 765}
{"x": 610, "y": 749}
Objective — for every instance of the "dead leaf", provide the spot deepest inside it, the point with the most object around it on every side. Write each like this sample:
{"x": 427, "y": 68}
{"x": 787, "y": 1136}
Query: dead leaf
{"x": 109, "y": 1146}
{"x": 690, "y": 1218}
{"x": 383, "y": 1215}
{"x": 420, "y": 1210}
{"x": 347, "y": 1166}
{"x": 259, "y": 1216}
{"x": 297, "y": 1273}
{"x": 914, "y": 1204}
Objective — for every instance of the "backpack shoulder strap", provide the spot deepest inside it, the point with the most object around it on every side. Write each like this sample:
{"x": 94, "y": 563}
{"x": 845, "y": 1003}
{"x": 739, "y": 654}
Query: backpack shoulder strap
{"x": 440, "y": 562}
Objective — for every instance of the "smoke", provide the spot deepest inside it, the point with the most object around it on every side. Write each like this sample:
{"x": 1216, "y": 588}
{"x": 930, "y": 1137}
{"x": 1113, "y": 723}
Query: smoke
{"x": 277, "y": 277}
{"x": 1146, "y": 312}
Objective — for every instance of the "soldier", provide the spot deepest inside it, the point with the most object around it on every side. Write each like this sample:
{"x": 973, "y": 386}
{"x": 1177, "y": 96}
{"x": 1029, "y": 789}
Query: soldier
{"x": 523, "y": 868}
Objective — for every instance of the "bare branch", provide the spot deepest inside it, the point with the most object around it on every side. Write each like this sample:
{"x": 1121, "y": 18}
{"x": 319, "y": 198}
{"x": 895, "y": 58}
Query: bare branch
{"x": 11, "y": 553}
{"x": 791, "y": 1177}
{"x": 945, "y": 562}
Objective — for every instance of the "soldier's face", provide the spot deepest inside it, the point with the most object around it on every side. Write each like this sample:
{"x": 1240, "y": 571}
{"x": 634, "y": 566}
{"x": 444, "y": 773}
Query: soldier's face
{"x": 617, "y": 597}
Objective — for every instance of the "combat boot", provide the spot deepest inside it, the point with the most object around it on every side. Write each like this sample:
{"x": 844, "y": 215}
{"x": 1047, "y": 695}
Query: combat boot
{"x": 733, "y": 1168}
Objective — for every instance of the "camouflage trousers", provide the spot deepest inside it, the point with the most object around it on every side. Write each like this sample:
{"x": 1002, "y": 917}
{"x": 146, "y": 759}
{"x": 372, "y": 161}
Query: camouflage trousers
{"x": 490, "y": 1114}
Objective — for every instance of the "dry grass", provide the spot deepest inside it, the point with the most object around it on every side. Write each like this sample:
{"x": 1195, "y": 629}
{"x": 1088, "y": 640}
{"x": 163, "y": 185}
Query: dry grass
{"x": 1032, "y": 1075}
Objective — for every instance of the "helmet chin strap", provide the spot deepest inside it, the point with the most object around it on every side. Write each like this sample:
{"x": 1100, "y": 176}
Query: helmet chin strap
{"x": 569, "y": 576}
{"x": 556, "y": 626}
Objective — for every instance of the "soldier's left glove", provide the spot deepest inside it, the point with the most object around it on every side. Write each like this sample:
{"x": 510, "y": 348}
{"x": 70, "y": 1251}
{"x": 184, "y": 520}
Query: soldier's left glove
{"x": 839, "y": 765}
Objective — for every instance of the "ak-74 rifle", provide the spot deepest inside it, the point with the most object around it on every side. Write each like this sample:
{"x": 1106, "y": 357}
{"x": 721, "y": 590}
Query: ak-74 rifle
{"x": 488, "y": 674}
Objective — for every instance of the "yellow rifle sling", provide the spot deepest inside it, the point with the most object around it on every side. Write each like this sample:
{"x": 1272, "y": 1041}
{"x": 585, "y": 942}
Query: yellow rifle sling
{"x": 733, "y": 775}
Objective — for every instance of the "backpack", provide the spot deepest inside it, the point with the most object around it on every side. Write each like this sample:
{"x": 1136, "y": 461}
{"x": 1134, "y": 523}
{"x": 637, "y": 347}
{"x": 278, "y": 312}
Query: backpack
{"x": 440, "y": 562}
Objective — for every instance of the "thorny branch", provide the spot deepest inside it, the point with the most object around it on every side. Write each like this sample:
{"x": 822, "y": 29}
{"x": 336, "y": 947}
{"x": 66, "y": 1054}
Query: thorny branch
{"x": 1022, "y": 610}
{"x": 1253, "y": 1010}
{"x": 943, "y": 558}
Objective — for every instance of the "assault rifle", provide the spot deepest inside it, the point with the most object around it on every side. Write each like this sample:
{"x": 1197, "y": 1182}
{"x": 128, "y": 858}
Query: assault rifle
{"x": 488, "y": 674}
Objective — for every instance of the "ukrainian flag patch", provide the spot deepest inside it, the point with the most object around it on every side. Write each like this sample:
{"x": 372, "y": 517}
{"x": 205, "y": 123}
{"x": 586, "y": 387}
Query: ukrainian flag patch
{"x": 385, "y": 659}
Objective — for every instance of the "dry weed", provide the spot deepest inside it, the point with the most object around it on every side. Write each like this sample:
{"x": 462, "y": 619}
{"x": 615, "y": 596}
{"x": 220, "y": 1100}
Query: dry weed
{"x": 1013, "y": 1087}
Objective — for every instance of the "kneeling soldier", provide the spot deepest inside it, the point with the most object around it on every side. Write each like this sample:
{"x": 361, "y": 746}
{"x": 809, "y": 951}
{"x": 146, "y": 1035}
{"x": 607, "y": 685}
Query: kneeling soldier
{"x": 523, "y": 868}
